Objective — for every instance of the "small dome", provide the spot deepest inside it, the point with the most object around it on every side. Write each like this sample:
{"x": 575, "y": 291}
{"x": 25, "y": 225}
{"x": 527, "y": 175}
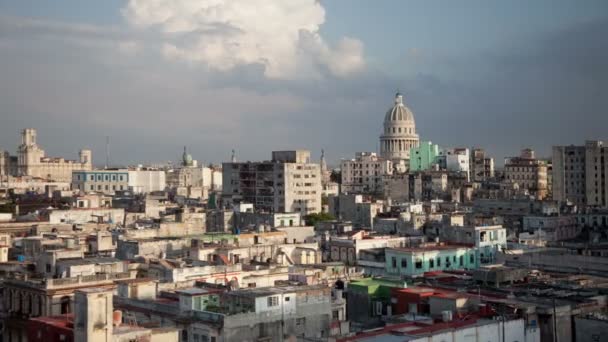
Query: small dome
{"x": 399, "y": 112}
{"x": 186, "y": 158}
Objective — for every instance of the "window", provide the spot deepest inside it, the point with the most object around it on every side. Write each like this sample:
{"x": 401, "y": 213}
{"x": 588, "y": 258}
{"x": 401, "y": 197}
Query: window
{"x": 273, "y": 301}
{"x": 403, "y": 263}
{"x": 472, "y": 259}
{"x": 432, "y": 263}
{"x": 394, "y": 262}
{"x": 92, "y": 187}
{"x": 461, "y": 260}
{"x": 287, "y": 299}
{"x": 438, "y": 262}
{"x": 113, "y": 177}
{"x": 300, "y": 321}
{"x": 418, "y": 263}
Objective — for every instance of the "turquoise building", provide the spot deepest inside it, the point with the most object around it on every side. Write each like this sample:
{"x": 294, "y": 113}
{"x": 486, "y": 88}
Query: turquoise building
{"x": 416, "y": 261}
{"x": 424, "y": 156}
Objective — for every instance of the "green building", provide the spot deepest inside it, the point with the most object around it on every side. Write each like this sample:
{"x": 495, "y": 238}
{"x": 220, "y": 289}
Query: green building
{"x": 416, "y": 261}
{"x": 369, "y": 298}
{"x": 423, "y": 156}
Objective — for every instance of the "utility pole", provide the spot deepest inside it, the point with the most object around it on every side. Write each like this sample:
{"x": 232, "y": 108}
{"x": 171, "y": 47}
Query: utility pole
{"x": 107, "y": 152}
{"x": 555, "y": 338}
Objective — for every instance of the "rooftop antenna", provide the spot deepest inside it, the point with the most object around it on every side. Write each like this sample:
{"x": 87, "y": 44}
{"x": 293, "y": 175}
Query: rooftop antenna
{"x": 107, "y": 151}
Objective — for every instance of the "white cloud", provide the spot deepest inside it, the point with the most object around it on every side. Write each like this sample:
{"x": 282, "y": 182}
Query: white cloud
{"x": 281, "y": 35}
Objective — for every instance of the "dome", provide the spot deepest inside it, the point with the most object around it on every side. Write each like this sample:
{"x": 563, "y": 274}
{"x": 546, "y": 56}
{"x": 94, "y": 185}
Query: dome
{"x": 399, "y": 112}
{"x": 399, "y": 133}
{"x": 186, "y": 158}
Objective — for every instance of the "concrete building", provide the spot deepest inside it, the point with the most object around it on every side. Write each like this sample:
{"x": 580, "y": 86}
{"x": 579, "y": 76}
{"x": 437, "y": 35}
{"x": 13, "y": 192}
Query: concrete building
{"x": 550, "y": 228}
{"x": 144, "y": 180}
{"x": 399, "y": 135}
{"x": 416, "y": 261}
{"x": 488, "y": 240}
{"x": 279, "y": 313}
{"x": 528, "y": 173}
{"x": 365, "y": 173}
{"x": 356, "y": 209}
{"x": 579, "y": 174}
{"x": 31, "y": 161}
{"x": 94, "y": 320}
{"x": 290, "y": 182}
{"x": 424, "y": 157}
{"x": 472, "y": 329}
{"x": 482, "y": 166}
{"x": 347, "y": 248}
{"x": 104, "y": 181}
{"x": 457, "y": 159}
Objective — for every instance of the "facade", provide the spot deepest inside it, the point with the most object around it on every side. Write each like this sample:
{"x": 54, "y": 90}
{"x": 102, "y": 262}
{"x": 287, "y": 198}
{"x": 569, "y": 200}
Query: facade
{"x": 551, "y": 228}
{"x": 456, "y": 160}
{"x": 31, "y": 161}
{"x": 142, "y": 181}
{"x": 488, "y": 240}
{"x": 416, "y": 261}
{"x": 365, "y": 173}
{"x": 399, "y": 135}
{"x": 579, "y": 174}
{"x": 356, "y": 209}
{"x": 347, "y": 249}
{"x": 482, "y": 166}
{"x": 105, "y": 181}
{"x": 528, "y": 173}
{"x": 424, "y": 157}
{"x": 290, "y": 182}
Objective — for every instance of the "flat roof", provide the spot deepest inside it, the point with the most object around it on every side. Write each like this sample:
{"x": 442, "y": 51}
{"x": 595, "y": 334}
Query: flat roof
{"x": 431, "y": 248}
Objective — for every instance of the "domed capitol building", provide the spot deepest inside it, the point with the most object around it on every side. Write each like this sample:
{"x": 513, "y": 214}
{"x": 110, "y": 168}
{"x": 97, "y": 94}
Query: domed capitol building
{"x": 399, "y": 134}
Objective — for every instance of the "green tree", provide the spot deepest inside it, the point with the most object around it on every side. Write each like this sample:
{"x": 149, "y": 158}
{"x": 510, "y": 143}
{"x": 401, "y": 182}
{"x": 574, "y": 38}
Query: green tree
{"x": 312, "y": 219}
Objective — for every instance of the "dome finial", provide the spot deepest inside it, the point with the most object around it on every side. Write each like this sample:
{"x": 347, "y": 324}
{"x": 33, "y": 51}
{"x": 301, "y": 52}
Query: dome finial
{"x": 398, "y": 97}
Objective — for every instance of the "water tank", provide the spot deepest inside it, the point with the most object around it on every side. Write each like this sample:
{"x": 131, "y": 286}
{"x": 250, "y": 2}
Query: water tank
{"x": 117, "y": 318}
{"x": 446, "y": 315}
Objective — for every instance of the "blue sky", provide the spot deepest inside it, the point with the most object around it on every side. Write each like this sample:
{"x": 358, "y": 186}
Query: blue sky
{"x": 503, "y": 75}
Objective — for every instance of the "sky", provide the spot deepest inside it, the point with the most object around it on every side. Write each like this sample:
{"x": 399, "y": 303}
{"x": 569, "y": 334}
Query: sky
{"x": 263, "y": 75}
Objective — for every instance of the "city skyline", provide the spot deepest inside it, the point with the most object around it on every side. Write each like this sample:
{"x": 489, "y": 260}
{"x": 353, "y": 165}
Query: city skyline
{"x": 91, "y": 71}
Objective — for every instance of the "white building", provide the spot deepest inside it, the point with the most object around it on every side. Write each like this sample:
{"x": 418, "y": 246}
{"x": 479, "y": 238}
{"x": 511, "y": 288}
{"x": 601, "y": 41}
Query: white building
{"x": 457, "y": 159}
{"x": 290, "y": 182}
{"x": 146, "y": 180}
{"x": 365, "y": 173}
{"x": 399, "y": 134}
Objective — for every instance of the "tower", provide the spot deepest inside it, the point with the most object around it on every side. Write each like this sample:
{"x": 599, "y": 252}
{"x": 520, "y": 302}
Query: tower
{"x": 86, "y": 158}
{"x": 29, "y": 154}
{"x": 323, "y": 162}
{"x": 93, "y": 309}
